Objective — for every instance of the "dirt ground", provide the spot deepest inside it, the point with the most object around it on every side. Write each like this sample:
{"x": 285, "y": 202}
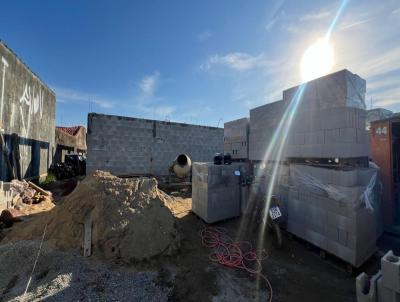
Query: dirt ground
{"x": 296, "y": 271}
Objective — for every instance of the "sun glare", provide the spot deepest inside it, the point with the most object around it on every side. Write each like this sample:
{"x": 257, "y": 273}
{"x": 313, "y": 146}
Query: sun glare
{"x": 317, "y": 60}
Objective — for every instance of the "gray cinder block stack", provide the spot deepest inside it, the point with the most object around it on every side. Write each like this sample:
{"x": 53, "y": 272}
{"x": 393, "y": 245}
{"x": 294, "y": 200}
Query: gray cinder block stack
{"x": 236, "y": 138}
{"x": 338, "y": 211}
{"x": 331, "y": 119}
{"x": 384, "y": 286}
{"x": 264, "y": 120}
{"x": 216, "y": 191}
{"x": 262, "y": 177}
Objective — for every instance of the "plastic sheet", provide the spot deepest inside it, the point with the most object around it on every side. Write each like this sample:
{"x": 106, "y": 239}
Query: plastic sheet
{"x": 356, "y": 89}
{"x": 369, "y": 197}
{"x": 316, "y": 186}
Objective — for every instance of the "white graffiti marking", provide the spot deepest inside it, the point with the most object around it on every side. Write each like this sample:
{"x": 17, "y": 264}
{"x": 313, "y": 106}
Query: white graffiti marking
{"x": 3, "y": 87}
{"x": 32, "y": 100}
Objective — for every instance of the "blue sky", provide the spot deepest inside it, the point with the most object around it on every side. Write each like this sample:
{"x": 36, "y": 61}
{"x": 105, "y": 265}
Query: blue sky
{"x": 202, "y": 62}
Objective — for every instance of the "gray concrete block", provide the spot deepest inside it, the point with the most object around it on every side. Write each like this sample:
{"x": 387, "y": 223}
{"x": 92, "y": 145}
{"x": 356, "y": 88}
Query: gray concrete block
{"x": 390, "y": 265}
{"x": 296, "y": 139}
{"x": 338, "y": 89}
{"x": 385, "y": 294}
{"x": 236, "y": 128}
{"x": 216, "y": 193}
{"x": 350, "y": 230}
{"x": 346, "y": 178}
{"x": 314, "y": 137}
{"x": 366, "y": 287}
{"x": 311, "y": 236}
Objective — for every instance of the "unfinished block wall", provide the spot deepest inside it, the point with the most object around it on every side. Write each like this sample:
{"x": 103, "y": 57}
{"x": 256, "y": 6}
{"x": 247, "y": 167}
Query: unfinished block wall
{"x": 124, "y": 145}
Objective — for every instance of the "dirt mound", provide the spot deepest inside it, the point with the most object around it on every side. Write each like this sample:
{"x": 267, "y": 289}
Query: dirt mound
{"x": 129, "y": 219}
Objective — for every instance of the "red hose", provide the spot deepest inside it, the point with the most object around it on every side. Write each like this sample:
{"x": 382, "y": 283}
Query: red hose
{"x": 230, "y": 253}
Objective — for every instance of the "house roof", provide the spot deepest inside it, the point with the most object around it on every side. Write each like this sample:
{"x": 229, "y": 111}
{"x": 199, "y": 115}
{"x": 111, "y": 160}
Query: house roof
{"x": 74, "y": 130}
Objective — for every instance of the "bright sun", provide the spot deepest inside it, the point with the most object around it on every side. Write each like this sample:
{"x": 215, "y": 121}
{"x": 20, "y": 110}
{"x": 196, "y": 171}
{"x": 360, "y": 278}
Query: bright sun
{"x": 317, "y": 61}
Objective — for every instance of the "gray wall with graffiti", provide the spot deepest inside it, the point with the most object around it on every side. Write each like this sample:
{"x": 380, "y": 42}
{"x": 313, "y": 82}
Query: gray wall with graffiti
{"x": 27, "y": 117}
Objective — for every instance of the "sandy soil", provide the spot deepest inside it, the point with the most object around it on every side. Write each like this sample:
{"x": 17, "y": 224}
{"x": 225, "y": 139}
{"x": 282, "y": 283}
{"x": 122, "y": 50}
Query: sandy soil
{"x": 296, "y": 272}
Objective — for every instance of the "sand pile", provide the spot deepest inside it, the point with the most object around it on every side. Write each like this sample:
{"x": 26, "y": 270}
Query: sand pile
{"x": 129, "y": 219}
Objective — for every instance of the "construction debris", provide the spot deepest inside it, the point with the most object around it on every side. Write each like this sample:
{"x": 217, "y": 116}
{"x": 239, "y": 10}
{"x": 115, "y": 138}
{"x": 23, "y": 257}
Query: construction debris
{"x": 25, "y": 200}
{"x": 28, "y": 192}
{"x": 129, "y": 219}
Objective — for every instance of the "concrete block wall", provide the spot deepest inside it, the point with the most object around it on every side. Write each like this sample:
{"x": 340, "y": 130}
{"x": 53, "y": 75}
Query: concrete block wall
{"x": 236, "y": 138}
{"x": 27, "y": 110}
{"x": 124, "y": 145}
{"x": 324, "y": 208}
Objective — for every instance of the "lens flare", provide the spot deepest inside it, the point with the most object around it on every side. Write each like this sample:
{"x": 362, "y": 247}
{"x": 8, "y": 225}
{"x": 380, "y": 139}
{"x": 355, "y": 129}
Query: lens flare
{"x": 317, "y": 61}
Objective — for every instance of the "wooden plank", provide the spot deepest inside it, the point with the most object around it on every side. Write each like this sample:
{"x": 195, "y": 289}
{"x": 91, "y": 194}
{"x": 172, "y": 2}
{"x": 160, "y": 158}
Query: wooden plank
{"x": 87, "y": 242}
{"x": 39, "y": 189}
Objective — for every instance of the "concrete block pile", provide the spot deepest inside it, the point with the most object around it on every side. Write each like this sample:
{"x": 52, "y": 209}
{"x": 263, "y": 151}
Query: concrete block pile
{"x": 384, "y": 286}
{"x": 339, "y": 89}
{"x": 331, "y": 118}
{"x": 263, "y": 122}
{"x": 236, "y": 138}
{"x": 263, "y": 173}
{"x": 337, "y": 211}
{"x": 216, "y": 191}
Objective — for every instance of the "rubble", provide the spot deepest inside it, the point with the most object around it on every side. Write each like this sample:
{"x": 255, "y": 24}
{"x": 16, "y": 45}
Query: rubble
{"x": 28, "y": 192}
{"x": 26, "y": 198}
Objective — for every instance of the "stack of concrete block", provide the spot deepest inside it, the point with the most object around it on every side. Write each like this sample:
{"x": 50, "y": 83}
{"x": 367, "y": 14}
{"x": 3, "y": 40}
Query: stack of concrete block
{"x": 331, "y": 119}
{"x": 338, "y": 89}
{"x": 264, "y": 120}
{"x": 263, "y": 173}
{"x": 329, "y": 133}
{"x": 384, "y": 286}
{"x": 236, "y": 138}
{"x": 216, "y": 191}
{"x": 338, "y": 211}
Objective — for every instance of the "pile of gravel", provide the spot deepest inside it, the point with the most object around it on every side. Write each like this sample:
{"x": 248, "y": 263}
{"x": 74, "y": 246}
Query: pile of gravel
{"x": 65, "y": 276}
